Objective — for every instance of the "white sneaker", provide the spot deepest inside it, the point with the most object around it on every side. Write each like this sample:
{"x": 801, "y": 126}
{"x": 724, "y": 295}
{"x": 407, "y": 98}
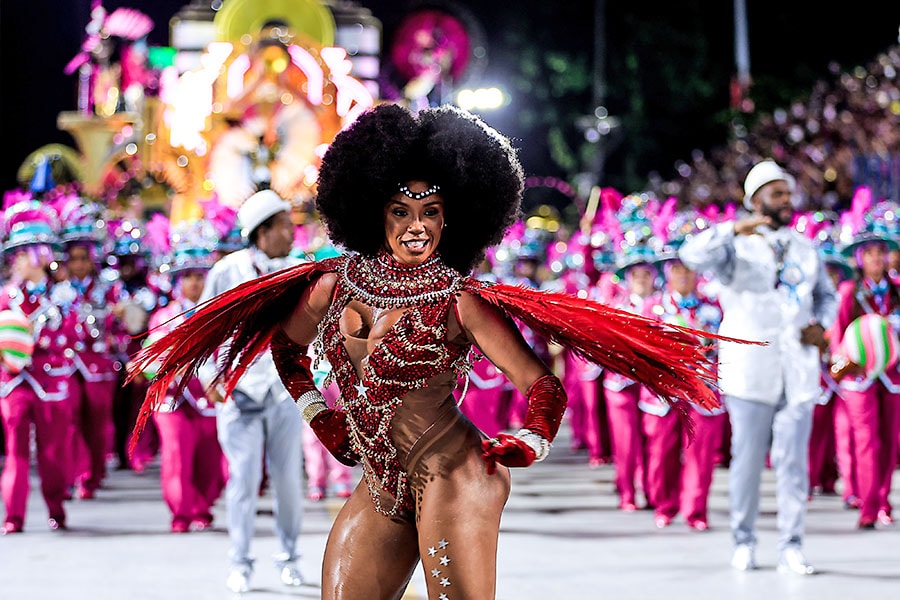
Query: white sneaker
{"x": 743, "y": 558}
{"x": 793, "y": 561}
{"x": 239, "y": 580}
{"x": 290, "y": 575}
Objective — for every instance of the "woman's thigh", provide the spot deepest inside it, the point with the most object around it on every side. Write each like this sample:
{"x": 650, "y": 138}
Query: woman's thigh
{"x": 459, "y": 524}
{"x": 368, "y": 556}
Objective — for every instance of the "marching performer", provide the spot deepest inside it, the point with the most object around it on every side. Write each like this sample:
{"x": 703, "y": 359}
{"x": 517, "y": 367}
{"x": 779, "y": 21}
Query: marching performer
{"x": 623, "y": 394}
{"x": 97, "y": 367}
{"x": 872, "y": 399}
{"x": 679, "y": 467}
{"x": 36, "y": 390}
{"x": 192, "y": 466}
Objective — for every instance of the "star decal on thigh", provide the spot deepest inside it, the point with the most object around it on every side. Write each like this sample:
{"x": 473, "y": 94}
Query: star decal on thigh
{"x": 435, "y": 573}
{"x": 445, "y": 560}
{"x": 443, "y": 597}
{"x": 443, "y": 544}
{"x": 432, "y": 551}
{"x": 445, "y": 581}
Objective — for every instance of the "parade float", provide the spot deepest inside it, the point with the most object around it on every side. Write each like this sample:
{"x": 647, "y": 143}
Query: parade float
{"x": 256, "y": 108}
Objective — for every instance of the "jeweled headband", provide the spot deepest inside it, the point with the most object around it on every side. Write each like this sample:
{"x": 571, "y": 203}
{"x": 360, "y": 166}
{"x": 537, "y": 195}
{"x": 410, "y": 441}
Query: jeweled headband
{"x": 419, "y": 195}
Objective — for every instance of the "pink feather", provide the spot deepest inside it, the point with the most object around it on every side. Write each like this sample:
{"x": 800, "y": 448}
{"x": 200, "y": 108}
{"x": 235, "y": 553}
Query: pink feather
{"x": 157, "y": 234}
{"x": 664, "y": 218}
{"x": 729, "y": 212}
{"x": 11, "y": 197}
{"x": 222, "y": 217}
{"x": 128, "y": 23}
{"x": 862, "y": 201}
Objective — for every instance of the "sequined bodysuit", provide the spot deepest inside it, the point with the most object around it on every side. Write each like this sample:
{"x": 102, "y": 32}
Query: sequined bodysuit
{"x": 398, "y": 398}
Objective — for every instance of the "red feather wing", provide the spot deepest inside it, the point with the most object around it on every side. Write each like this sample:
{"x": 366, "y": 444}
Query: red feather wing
{"x": 242, "y": 319}
{"x": 670, "y": 360}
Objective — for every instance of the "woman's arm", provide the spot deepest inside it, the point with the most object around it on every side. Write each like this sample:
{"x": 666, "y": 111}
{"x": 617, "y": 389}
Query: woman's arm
{"x": 302, "y": 324}
{"x": 501, "y": 342}
{"x": 290, "y": 351}
{"x": 499, "y": 339}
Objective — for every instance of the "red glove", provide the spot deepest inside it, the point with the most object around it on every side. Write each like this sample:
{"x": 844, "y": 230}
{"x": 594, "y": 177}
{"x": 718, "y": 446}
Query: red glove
{"x": 331, "y": 428}
{"x": 546, "y": 405}
{"x": 507, "y": 450}
{"x": 293, "y": 364}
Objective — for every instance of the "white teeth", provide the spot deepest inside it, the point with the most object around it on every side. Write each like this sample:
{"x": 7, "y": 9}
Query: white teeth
{"x": 415, "y": 244}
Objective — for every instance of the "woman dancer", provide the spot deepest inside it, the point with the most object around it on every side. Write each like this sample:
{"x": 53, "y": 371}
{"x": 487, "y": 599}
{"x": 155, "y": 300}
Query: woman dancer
{"x": 416, "y": 199}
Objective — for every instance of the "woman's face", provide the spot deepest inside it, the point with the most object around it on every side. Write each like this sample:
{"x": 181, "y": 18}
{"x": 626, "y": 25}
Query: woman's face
{"x": 192, "y": 284}
{"x": 413, "y": 227}
{"x": 79, "y": 262}
{"x": 640, "y": 280}
{"x": 681, "y": 279}
{"x": 874, "y": 261}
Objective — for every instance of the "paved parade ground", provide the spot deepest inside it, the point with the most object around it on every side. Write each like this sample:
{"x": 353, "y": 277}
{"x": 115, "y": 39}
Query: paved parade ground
{"x": 561, "y": 538}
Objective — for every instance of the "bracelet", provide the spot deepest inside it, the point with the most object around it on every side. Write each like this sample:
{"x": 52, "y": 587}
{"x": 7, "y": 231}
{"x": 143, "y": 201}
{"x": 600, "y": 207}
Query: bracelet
{"x": 310, "y": 404}
{"x": 536, "y": 442}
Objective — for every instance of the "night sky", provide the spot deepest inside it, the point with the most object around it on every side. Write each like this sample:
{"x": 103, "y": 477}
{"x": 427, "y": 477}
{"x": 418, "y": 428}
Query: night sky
{"x": 38, "y": 37}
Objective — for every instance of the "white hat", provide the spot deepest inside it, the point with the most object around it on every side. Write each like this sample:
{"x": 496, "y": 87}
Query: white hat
{"x": 764, "y": 172}
{"x": 259, "y": 207}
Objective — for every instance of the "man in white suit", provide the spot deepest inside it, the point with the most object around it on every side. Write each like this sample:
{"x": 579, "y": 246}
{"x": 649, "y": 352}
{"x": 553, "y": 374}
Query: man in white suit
{"x": 774, "y": 288}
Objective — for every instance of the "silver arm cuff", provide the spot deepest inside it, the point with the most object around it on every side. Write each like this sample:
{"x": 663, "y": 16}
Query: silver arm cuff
{"x": 536, "y": 442}
{"x": 310, "y": 404}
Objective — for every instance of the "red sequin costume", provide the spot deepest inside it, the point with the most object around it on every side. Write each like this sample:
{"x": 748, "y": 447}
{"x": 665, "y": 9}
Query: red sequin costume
{"x": 414, "y": 355}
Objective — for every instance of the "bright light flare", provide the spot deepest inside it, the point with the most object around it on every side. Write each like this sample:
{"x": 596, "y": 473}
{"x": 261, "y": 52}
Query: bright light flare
{"x": 481, "y": 99}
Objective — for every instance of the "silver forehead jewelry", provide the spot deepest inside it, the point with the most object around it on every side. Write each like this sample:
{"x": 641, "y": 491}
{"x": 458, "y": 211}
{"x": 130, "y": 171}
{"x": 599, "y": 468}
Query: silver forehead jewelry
{"x": 419, "y": 195}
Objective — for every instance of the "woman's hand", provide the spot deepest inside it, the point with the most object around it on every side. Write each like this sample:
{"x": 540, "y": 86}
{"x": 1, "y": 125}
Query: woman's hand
{"x": 507, "y": 450}
{"x": 843, "y": 367}
{"x": 331, "y": 428}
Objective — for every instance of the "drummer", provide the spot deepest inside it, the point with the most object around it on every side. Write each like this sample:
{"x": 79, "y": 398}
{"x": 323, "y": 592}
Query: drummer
{"x": 872, "y": 401}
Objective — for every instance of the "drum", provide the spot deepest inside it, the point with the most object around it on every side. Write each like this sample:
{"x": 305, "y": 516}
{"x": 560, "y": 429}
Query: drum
{"x": 870, "y": 342}
{"x": 16, "y": 340}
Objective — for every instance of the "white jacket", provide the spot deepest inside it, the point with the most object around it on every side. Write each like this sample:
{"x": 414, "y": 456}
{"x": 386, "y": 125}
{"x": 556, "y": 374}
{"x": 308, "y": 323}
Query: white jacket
{"x": 756, "y": 307}
{"x": 229, "y": 272}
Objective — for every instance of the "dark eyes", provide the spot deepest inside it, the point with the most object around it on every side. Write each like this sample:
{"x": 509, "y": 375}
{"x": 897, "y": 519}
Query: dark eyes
{"x": 428, "y": 213}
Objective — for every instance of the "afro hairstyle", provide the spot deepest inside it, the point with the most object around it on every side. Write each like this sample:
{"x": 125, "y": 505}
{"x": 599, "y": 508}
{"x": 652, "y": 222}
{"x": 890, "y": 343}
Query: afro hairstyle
{"x": 476, "y": 166}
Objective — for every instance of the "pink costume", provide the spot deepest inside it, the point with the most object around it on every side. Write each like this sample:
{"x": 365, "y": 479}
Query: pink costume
{"x": 98, "y": 372}
{"x": 586, "y": 410}
{"x": 141, "y": 300}
{"x": 872, "y": 405}
{"x": 679, "y": 469}
{"x": 485, "y": 392}
{"x": 823, "y": 470}
{"x": 512, "y": 414}
{"x": 622, "y": 396}
{"x": 40, "y": 395}
{"x": 485, "y": 398}
{"x": 192, "y": 467}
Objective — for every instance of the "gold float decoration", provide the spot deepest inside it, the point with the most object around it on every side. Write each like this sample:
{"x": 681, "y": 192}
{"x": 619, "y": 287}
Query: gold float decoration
{"x": 308, "y": 18}
{"x": 102, "y": 142}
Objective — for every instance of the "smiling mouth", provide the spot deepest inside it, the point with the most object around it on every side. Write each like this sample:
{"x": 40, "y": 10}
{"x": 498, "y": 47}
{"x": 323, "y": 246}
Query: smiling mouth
{"x": 415, "y": 245}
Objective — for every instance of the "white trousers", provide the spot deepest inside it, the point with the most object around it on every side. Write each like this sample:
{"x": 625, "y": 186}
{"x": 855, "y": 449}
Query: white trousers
{"x": 782, "y": 431}
{"x": 273, "y": 433}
